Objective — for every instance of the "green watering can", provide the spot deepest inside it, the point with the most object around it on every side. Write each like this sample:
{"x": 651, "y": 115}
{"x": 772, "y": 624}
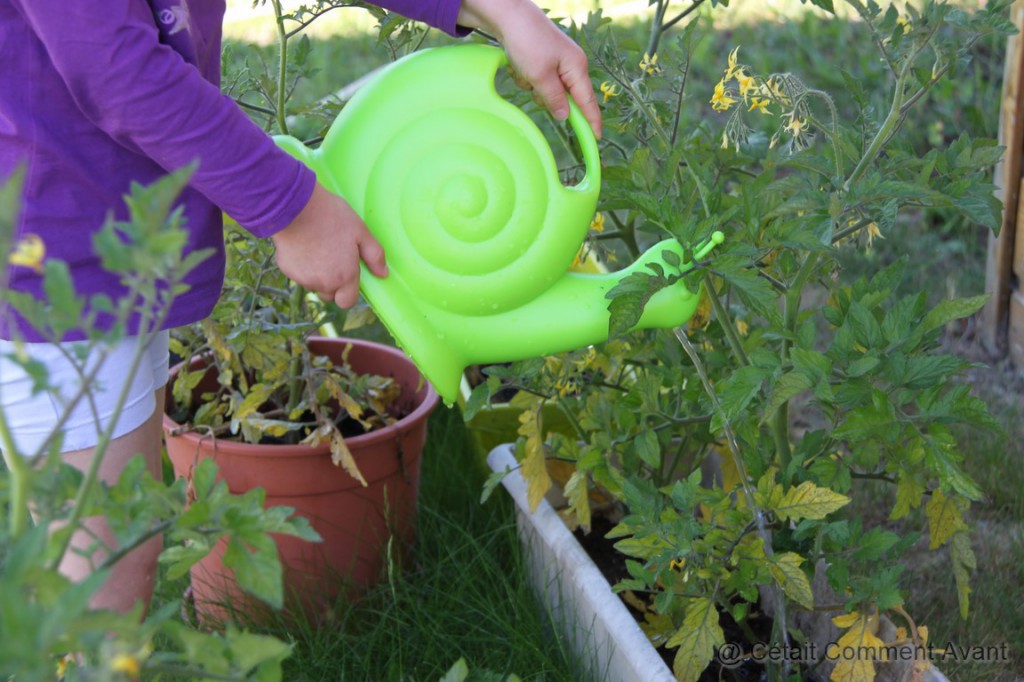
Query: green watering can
{"x": 461, "y": 189}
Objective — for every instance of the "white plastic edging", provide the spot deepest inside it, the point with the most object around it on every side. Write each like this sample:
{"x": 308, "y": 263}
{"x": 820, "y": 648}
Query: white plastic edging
{"x": 595, "y": 620}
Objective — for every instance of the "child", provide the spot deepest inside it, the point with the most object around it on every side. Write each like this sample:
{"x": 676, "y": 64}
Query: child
{"x": 109, "y": 92}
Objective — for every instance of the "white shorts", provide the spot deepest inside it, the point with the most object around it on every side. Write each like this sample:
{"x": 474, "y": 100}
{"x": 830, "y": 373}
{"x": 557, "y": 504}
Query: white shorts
{"x": 31, "y": 418}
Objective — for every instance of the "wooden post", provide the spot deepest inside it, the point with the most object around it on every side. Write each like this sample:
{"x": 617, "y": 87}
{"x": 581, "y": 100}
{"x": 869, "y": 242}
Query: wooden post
{"x": 1003, "y": 318}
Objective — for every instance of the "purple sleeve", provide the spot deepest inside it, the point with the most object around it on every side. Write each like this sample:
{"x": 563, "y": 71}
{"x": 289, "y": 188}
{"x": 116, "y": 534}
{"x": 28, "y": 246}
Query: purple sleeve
{"x": 144, "y": 95}
{"x": 437, "y": 13}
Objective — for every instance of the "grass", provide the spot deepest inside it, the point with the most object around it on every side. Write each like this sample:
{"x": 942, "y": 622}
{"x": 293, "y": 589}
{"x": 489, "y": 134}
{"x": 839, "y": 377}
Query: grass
{"x": 466, "y": 597}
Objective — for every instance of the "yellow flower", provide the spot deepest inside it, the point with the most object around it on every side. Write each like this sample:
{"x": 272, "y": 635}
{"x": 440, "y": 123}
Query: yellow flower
{"x": 677, "y": 564}
{"x": 730, "y": 72}
{"x": 873, "y": 232}
{"x": 746, "y": 83}
{"x": 29, "y": 252}
{"x": 649, "y": 64}
{"x": 905, "y": 23}
{"x": 721, "y": 101}
{"x": 609, "y": 90}
{"x": 773, "y": 90}
{"x": 565, "y": 386}
{"x": 742, "y": 328}
{"x": 123, "y": 663}
{"x": 760, "y": 104}
{"x": 597, "y": 224}
{"x": 796, "y": 127}
{"x": 62, "y": 665}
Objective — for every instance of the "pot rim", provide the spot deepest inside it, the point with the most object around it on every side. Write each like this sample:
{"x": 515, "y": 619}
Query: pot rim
{"x": 393, "y": 431}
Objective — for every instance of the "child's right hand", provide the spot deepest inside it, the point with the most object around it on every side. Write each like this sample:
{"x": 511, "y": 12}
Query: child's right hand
{"x": 547, "y": 59}
{"x": 322, "y": 247}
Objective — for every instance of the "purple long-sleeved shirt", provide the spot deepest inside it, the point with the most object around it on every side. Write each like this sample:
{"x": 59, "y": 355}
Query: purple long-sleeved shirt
{"x": 97, "y": 94}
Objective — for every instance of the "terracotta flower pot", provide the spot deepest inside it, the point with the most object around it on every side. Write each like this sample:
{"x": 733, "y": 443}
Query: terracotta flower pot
{"x": 355, "y": 522}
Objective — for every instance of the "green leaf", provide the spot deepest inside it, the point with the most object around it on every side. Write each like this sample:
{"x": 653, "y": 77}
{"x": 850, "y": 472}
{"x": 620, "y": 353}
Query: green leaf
{"x": 808, "y": 501}
{"x": 755, "y": 292}
{"x": 492, "y": 482}
{"x": 873, "y": 544}
{"x": 204, "y": 477}
{"x": 697, "y": 640}
{"x": 943, "y": 458}
{"x": 648, "y": 448}
{"x": 867, "y": 421}
{"x": 950, "y": 310}
{"x": 811, "y": 363}
{"x": 964, "y": 562}
{"x": 579, "y": 498}
{"x": 865, "y": 327}
{"x": 862, "y": 366}
{"x": 181, "y": 558}
{"x": 736, "y": 392}
{"x": 929, "y": 370}
{"x": 534, "y": 466}
{"x": 785, "y": 568}
{"x": 479, "y": 398}
{"x": 791, "y": 384}
{"x": 824, "y": 4}
{"x": 457, "y": 673}
{"x": 945, "y": 518}
{"x": 254, "y": 399}
{"x": 628, "y": 299}
{"x": 257, "y": 569}
{"x": 909, "y": 495}
{"x": 249, "y": 650}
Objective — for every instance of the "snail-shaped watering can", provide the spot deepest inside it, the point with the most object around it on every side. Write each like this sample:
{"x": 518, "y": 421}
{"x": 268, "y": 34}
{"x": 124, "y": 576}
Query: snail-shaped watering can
{"x": 461, "y": 189}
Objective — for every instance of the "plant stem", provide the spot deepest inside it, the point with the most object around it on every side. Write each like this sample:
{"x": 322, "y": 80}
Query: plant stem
{"x": 282, "y": 67}
{"x": 727, "y": 326}
{"x": 295, "y": 309}
{"x": 888, "y": 127}
{"x": 103, "y": 442}
{"x": 124, "y": 551}
{"x": 21, "y": 482}
{"x": 656, "y": 27}
{"x": 780, "y": 424}
{"x": 741, "y": 470}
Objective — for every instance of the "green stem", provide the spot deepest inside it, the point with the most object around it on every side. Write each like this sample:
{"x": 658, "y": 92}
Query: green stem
{"x": 282, "y": 67}
{"x": 847, "y": 231}
{"x": 627, "y": 234}
{"x": 780, "y": 424}
{"x": 121, "y": 552}
{"x": 887, "y": 129}
{"x": 295, "y": 308}
{"x": 727, "y": 326}
{"x": 103, "y": 442}
{"x": 741, "y": 468}
{"x": 656, "y": 27}
{"x": 21, "y": 482}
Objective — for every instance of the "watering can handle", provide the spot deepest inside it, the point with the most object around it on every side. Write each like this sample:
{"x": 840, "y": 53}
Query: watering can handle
{"x": 588, "y": 145}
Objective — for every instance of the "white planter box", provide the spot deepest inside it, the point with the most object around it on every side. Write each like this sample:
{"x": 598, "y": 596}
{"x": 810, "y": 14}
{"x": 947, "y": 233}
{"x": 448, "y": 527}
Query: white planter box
{"x": 594, "y": 619}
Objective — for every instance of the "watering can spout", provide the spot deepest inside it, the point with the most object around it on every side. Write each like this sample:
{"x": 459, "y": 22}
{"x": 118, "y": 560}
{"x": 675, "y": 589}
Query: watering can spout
{"x": 572, "y": 313}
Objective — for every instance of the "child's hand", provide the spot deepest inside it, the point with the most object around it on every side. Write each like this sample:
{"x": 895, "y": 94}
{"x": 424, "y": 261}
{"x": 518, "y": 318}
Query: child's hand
{"x": 322, "y": 247}
{"x": 547, "y": 59}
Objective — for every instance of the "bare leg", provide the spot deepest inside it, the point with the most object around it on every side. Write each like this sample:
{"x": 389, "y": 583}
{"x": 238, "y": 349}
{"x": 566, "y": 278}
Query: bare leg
{"x": 131, "y": 579}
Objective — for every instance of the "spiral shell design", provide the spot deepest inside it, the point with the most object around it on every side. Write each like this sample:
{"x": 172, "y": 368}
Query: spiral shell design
{"x": 466, "y": 220}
